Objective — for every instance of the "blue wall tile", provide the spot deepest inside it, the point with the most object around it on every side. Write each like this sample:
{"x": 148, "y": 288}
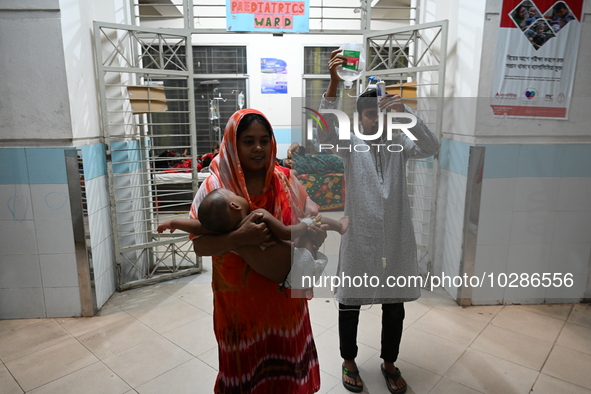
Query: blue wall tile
{"x": 13, "y": 165}
{"x": 538, "y": 161}
{"x": 46, "y": 165}
{"x": 500, "y": 161}
{"x": 454, "y": 156}
{"x": 576, "y": 161}
{"x": 95, "y": 164}
{"x": 284, "y": 136}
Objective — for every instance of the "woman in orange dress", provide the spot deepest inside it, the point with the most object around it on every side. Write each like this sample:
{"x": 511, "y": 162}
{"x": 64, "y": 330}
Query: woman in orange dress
{"x": 265, "y": 342}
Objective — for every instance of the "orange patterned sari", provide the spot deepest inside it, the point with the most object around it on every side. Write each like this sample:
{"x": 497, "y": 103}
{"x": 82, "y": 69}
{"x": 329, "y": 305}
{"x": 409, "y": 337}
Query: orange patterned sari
{"x": 265, "y": 342}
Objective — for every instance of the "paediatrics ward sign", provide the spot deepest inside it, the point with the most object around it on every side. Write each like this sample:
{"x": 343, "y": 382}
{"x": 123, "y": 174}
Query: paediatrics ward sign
{"x": 267, "y": 16}
{"x": 534, "y": 68}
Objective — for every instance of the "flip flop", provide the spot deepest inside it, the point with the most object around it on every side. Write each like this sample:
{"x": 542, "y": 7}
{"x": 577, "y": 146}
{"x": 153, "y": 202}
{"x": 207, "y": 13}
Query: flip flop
{"x": 394, "y": 377}
{"x": 353, "y": 375}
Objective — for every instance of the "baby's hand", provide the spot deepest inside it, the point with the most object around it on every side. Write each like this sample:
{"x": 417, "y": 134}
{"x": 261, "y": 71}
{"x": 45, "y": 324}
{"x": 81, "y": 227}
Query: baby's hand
{"x": 165, "y": 226}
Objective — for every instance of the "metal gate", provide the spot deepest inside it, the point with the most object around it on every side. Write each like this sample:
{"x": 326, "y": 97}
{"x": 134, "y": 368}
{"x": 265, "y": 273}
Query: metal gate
{"x": 412, "y": 62}
{"x": 147, "y": 104}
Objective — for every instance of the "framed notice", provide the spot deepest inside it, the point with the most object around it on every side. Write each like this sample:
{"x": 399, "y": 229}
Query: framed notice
{"x": 536, "y": 56}
{"x": 273, "y": 76}
{"x": 268, "y": 16}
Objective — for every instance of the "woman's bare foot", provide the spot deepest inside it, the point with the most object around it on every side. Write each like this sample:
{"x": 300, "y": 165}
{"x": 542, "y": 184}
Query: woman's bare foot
{"x": 344, "y": 223}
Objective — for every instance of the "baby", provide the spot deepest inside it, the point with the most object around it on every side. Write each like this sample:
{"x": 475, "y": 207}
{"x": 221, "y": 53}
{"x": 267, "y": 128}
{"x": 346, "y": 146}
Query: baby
{"x": 533, "y": 16}
{"x": 222, "y": 211}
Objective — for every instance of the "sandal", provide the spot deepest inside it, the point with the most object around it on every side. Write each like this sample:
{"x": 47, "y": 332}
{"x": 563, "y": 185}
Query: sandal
{"x": 394, "y": 377}
{"x": 353, "y": 375}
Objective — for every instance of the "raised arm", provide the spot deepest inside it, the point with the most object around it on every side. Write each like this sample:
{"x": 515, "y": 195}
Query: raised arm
{"x": 191, "y": 226}
{"x": 336, "y": 59}
{"x": 330, "y": 137}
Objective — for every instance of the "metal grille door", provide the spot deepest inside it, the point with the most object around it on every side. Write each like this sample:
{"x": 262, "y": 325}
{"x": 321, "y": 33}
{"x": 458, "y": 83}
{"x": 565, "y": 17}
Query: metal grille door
{"x": 412, "y": 62}
{"x": 147, "y": 102}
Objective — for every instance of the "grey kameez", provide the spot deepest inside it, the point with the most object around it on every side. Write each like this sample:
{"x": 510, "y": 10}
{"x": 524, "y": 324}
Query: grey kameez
{"x": 380, "y": 216}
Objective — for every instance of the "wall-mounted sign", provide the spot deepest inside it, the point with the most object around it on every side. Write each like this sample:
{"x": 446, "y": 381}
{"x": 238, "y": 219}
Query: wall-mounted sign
{"x": 538, "y": 44}
{"x": 274, "y": 76}
{"x": 268, "y": 16}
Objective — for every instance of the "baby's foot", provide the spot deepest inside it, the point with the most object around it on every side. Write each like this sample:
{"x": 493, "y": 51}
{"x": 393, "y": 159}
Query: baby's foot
{"x": 344, "y": 223}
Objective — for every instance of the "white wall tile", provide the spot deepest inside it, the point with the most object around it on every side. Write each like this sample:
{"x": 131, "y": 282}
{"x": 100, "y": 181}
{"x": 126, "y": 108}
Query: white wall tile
{"x": 99, "y": 224}
{"x": 59, "y": 270}
{"x": 443, "y": 190}
{"x": 532, "y": 227}
{"x": 62, "y": 301}
{"x": 452, "y": 251}
{"x": 103, "y": 257}
{"x": 105, "y": 223}
{"x": 437, "y": 264}
{"x": 442, "y": 212}
{"x": 54, "y": 236}
{"x": 106, "y": 285}
{"x": 97, "y": 194}
{"x": 536, "y": 194}
{"x": 105, "y": 270}
{"x": 526, "y": 259}
{"x": 529, "y": 258}
{"x": 51, "y": 202}
{"x": 99, "y": 259}
{"x": 439, "y": 238}
{"x": 22, "y": 303}
{"x": 572, "y": 227}
{"x": 15, "y": 202}
{"x": 490, "y": 259}
{"x": 452, "y": 187}
{"x": 457, "y": 189}
{"x": 100, "y": 290}
{"x": 494, "y": 228}
{"x": 497, "y": 195}
{"x": 456, "y": 221}
{"x": 569, "y": 257}
{"x": 18, "y": 237}
{"x": 19, "y": 270}
{"x": 574, "y": 194}
{"x": 567, "y": 293}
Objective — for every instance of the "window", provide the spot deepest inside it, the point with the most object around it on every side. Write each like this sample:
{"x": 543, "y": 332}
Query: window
{"x": 172, "y": 126}
{"x": 219, "y": 60}
{"x": 316, "y": 79}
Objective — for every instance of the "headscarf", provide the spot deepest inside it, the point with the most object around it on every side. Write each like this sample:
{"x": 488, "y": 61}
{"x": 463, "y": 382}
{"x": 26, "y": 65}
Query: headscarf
{"x": 281, "y": 190}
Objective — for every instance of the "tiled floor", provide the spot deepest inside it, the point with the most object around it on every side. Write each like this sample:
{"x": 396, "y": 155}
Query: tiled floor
{"x": 159, "y": 339}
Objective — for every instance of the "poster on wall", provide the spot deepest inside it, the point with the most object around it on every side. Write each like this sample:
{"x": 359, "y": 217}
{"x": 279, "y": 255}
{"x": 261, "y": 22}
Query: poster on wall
{"x": 282, "y": 16}
{"x": 536, "y": 57}
{"x": 273, "y": 76}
